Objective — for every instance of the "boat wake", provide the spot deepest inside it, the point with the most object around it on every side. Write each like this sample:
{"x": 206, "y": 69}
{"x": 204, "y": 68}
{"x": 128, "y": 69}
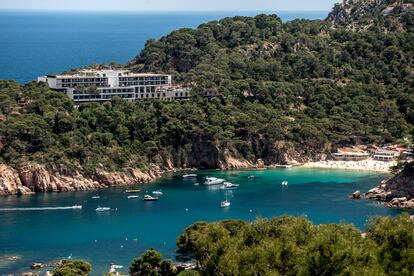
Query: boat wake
{"x": 42, "y": 208}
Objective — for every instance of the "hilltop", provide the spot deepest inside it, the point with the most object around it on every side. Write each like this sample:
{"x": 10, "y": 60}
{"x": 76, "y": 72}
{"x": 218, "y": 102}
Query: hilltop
{"x": 374, "y": 15}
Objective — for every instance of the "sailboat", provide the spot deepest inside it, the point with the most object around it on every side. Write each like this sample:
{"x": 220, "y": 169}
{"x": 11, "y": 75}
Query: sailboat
{"x": 226, "y": 203}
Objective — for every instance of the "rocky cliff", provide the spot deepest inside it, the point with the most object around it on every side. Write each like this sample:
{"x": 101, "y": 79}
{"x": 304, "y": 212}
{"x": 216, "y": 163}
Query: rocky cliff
{"x": 33, "y": 177}
{"x": 397, "y": 191}
{"x": 384, "y": 15}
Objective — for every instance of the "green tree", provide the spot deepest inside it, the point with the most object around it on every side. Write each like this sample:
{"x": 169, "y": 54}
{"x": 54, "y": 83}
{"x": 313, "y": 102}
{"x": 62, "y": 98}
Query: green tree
{"x": 73, "y": 268}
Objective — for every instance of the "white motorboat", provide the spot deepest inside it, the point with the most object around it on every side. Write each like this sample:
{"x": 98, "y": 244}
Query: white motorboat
{"x": 250, "y": 177}
{"x": 133, "y": 197}
{"x": 77, "y": 207}
{"x": 159, "y": 192}
{"x": 96, "y": 197}
{"x": 284, "y": 183}
{"x": 189, "y": 175}
{"x": 214, "y": 181}
{"x": 102, "y": 209}
{"x": 150, "y": 198}
{"x": 229, "y": 186}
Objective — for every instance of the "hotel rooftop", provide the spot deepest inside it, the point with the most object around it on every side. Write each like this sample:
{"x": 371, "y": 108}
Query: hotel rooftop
{"x": 102, "y": 85}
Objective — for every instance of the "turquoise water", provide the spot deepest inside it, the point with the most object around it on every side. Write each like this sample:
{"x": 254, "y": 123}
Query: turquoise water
{"x": 39, "y": 43}
{"x": 44, "y": 236}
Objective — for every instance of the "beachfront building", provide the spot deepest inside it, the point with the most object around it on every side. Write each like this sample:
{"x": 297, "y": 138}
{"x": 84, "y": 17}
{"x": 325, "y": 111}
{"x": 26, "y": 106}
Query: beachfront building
{"x": 350, "y": 154}
{"x": 102, "y": 85}
{"x": 385, "y": 155}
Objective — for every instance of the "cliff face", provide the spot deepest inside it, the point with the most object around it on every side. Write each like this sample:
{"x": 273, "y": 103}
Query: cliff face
{"x": 397, "y": 191}
{"x": 38, "y": 178}
{"x": 33, "y": 177}
{"x": 384, "y": 15}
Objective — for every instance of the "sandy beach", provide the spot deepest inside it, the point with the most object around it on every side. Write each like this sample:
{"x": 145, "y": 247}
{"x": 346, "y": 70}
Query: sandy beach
{"x": 365, "y": 165}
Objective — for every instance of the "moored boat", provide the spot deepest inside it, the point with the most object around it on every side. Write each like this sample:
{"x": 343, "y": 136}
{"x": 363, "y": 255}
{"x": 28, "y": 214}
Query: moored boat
{"x": 96, "y": 197}
{"x": 132, "y": 191}
{"x": 225, "y": 204}
{"x": 229, "y": 186}
{"x": 214, "y": 181}
{"x": 150, "y": 198}
{"x": 133, "y": 197}
{"x": 189, "y": 175}
{"x": 159, "y": 192}
{"x": 102, "y": 209}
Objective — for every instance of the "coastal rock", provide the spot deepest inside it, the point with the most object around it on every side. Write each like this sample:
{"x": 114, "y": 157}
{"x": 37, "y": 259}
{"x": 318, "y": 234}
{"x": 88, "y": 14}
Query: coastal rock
{"x": 377, "y": 193}
{"x": 37, "y": 266}
{"x": 356, "y": 195}
{"x": 40, "y": 179}
{"x": 10, "y": 183}
{"x": 32, "y": 177}
{"x": 397, "y": 191}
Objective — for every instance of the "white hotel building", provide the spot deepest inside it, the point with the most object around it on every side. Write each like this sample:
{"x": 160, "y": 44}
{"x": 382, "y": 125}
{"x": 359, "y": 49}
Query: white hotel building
{"x": 101, "y": 85}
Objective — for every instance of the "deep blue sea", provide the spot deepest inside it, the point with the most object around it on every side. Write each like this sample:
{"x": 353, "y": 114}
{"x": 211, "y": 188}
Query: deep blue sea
{"x": 39, "y": 43}
{"x": 120, "y": 235}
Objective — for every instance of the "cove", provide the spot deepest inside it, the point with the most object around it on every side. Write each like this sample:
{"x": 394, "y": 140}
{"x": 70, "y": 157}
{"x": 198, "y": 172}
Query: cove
{"x": 120, "y": 235}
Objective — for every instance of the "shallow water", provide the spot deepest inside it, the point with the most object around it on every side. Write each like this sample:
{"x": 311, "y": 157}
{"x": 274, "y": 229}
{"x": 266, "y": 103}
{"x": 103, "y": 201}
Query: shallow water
{"x": 119, "y": 236}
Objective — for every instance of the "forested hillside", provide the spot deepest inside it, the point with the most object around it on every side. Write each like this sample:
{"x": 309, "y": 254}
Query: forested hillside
{"x": 287, "y": 92}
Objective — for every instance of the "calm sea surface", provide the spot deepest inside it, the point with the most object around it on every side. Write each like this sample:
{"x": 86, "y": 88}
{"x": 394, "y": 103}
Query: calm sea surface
{"x": 38, "y": 43}
{"x": 120, "y": 235}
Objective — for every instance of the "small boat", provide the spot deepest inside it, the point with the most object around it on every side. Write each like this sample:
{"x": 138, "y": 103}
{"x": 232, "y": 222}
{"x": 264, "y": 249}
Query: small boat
{"x": 96, "y": 197}
{"x": 250, "y": 177}
{"x": 284, "y": 166}
{"x": 214, "y": 181}
{"x": 77, "y": 207}
{"x": 132, "y": 191}
{"x": 196, "y": 184}
{"x": 133, "y": 197}
{"x": 157, "y": 192}
{"x": 102, "y": 209}
{"x": 150, "y": 198}
{"x": 226, "y": 203}
{"x": 229, "y": 186}
{"x": 284, "y": 183}
{"x": 189, "y": 175}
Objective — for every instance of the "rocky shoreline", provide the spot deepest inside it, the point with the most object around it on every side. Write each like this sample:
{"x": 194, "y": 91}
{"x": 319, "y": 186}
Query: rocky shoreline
{"x": 34, "y": 177}
{"x": 395, "y": 192}
{"x": 37, "y": 178}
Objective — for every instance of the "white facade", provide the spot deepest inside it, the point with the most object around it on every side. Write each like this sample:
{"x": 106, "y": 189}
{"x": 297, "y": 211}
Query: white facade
{"x": 102, "y": 85}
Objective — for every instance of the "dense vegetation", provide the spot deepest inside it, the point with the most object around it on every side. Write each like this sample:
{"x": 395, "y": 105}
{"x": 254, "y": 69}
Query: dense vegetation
{"x": 73, "y": 268}
{"x": 294, "y": 246}
{"x": 295, "y": 89}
